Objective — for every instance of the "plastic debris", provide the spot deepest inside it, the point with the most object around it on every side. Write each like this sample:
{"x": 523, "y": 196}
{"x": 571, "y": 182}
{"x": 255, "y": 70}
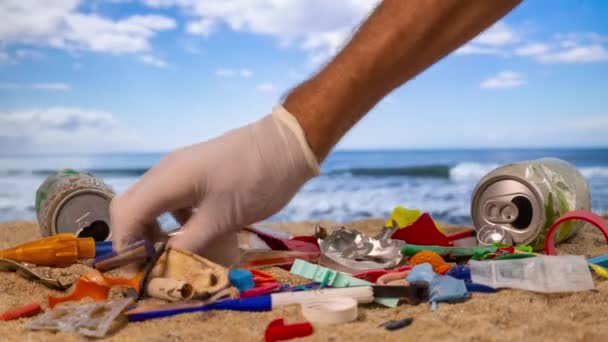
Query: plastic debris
{"x": 137, "y": 253}
{"x": 92, "y": 319}
{"x": 241, "y": 279}
{"x": 277, "y": 330}
{"x": 568, "y": 273}
{"x": 207, "y": 278}
{"x": 397, "y": 324}
{"x": 96, "y": 286}
{"x": 352, "y": 251}
{"x": 441, "y": 288}
{"x": 14, "y": 266}
{"x": 27, "y": 310}
{"x": 439, "y": 265}
{"x": 403, "y": 217}
{"x": 422, "y": 232}
{"x": 275, "y": 258}
{"x": 169, "y": 289}
{"x": 261, "y": 278}
{"x": 58, "y": 251}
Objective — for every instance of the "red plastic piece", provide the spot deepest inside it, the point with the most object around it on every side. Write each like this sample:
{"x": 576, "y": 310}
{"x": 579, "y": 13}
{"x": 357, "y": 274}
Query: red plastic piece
{"x": 582, "y": 215}
{"x": 277, "y": 330}
{"x": 285, "y": 244}
{"x": 373, "y": 275}
{"x": 261, "y": 278}
{"x": 260, "y": 290}
{"x": 461, "y": 235}
{"x": 27, "y": 310}
{"x": 422, "y": 232}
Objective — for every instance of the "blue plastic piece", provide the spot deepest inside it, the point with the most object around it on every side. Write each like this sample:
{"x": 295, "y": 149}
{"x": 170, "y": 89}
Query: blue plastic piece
{"x": 472, "y": 287}
{"x": 600, "y": 260}
{"x": 103, "y": 248}
{"x": 260, "y": 303}
{"x": 460, "y": 272}
{"x": 241, "y": 279}
{"x": 442, "y": 288}
{"x": 332, "y": 278}
{"x": 422, "y": 272}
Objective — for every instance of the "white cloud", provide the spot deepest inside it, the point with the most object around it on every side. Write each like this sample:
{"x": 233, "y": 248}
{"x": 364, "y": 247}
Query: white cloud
{"x": 266, "y": 87}
{"x": 493, "y": 41}
{"x": 29, "y": 54}
{"x": 532, "y": 49}
{"x": 52, "y": 86}
{"x": 63, "y": 129}
{"x": 504, "y": 80}
{"x": 59, "y": 24}
{"x": 37, "y": 86}
{"x": 227, "y": 72}
{"x": 577, "y": 54}
{"x": 317, "y": 26}
{"x": 153, "y": 61}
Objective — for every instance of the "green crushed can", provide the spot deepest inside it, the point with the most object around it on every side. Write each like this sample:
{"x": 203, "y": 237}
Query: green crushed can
{"x": 519, "y": 202}
{"x": 71, "y": 201}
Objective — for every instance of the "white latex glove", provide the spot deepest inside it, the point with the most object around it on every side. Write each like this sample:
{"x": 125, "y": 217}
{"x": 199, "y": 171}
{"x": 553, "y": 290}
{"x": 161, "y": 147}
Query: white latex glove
{"x": 217, "y": 187}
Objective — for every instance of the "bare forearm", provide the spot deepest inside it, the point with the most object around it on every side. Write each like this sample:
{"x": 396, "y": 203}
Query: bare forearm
{"x": 399, "y": 40}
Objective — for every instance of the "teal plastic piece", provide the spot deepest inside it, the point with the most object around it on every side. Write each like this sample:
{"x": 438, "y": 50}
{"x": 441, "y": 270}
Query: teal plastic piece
{"x": 409, "y": 250}
{"x": 332, "y": 278}
{"x": 600, "y": 260}
{"x": 241, "y": 279}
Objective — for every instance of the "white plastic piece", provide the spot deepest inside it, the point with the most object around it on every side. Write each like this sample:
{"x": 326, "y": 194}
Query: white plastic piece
{"x": 361, "y": 294}
{"x": 568, "y": 273}
{"x": 331, "y": 311}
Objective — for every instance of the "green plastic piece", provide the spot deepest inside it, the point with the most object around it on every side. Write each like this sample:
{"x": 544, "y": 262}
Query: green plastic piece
{"x": 332, "y": 278}
{"x": 409, "y": 250}
{"x": 514, "y": 256}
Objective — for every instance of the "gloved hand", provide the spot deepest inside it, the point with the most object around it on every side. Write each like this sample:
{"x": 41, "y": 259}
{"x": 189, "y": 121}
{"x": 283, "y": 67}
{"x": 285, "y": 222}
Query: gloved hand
{"x": 217, "y": 187}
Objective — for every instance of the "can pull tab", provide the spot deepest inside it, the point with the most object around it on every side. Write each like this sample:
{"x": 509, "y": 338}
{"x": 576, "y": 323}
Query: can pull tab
{"x": 499, "y": 211}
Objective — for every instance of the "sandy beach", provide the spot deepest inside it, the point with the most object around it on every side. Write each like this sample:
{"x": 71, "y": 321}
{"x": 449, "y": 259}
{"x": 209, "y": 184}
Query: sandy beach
{"x": 506, "y": 315}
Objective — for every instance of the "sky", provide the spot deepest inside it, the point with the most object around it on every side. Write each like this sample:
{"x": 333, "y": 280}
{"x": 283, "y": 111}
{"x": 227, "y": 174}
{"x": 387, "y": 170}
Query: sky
{"x": 154, "y": 75}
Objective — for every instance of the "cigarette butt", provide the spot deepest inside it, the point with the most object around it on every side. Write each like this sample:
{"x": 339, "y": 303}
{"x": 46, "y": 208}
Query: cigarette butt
{"x": 169, "y": 289}
{"x": 22, "y": 311}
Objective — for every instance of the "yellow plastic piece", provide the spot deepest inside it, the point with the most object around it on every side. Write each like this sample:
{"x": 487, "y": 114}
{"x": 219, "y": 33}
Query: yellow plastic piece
{"x": 439, "y": 265}
{"x": 406, "y": 217}
{"x": 601, "y": 271}
{"x": 56, "y": 251}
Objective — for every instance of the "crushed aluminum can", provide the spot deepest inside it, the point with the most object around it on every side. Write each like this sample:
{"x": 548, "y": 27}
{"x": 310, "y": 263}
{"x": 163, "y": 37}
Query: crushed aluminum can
{"x": 352, "y": 251}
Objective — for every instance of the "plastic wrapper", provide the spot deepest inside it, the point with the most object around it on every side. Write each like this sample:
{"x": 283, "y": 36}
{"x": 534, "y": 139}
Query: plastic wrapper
{"x": 91, "y": 320}
{"x": 351, "y": 251}
{"x": 568, "y": 273}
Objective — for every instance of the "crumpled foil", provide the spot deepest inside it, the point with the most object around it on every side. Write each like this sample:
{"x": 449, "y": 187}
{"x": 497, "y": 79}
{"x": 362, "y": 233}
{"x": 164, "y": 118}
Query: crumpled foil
{"x": 351, "y": 251}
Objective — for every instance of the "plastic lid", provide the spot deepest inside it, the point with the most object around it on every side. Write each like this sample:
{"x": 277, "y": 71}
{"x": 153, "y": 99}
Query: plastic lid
{"x": 86, "y": 248}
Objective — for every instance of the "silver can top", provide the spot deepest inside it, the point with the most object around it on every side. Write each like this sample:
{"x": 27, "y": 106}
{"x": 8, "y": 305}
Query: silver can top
{"x": 85, "y": 214}
{"x": 510, "y": 203}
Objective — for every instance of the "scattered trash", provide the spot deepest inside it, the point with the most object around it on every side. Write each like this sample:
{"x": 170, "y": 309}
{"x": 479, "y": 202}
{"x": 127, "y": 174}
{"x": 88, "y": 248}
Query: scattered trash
{"x": 136, "y": 253}
{"x": 393, "y": 279}
{"x": 448, "y": 252}
{"x": 519, "y": 202}
{"x": 599, "y": 261}
{"x": 74, "y": 202}
{"x": 441, "y": 288}
{"x": 277, "y": 330}
{"x": 261, "y": 278}
{"x": 58, "y": 251}
{"x": 241, "y": 279}
{"x": 330, "y": 311}
{"x": 91, "y": 320}
{"x": 398, "y": 324}
{"x": 281, "y": 241}
{"x": 275, "y": 258}
{"x": 169, "y": 289}
{"x": 27, "y": 310}
{"x": 351, "y": 251}
{"x": 261, "y": 290}
{"x": 14, "y": 266}
{"x": 432, "y": 258}
{"x": 328, "y": 277}
{"x": 586, "y": 216}
{"x": 96, "y": 286}
{"x": 568, "y": 273}
{"x": 206, "y": 277}
{"x": 374, "y": 275}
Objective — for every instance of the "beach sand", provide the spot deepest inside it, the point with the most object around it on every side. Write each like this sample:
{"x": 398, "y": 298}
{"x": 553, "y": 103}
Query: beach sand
{"x": 507, "y": 315}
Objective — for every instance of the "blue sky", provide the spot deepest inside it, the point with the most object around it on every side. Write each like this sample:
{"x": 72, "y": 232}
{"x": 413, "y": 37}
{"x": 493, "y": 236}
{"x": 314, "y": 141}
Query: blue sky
{"x": 153, "y": 75}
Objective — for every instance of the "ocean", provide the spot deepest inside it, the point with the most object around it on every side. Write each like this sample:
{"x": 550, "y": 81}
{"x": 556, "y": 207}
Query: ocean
{"x": 353, "y": 184}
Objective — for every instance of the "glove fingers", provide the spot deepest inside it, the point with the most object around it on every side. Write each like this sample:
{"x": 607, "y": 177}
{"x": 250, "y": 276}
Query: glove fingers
{"x": 182, "y": 215}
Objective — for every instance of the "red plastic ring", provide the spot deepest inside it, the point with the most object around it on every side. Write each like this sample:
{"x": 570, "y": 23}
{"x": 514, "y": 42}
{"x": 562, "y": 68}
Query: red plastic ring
{"x": 582, "y": 215}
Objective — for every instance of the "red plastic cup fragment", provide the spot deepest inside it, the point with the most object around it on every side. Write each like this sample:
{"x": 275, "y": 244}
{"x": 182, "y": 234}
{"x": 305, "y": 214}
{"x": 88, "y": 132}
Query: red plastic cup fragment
{"x": 27, "y": 310}
{"x": 587, "y": 216}
{"x": 277, "y": 330}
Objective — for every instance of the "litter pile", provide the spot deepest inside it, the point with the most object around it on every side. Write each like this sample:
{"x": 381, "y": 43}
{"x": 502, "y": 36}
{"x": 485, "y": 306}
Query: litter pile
{"x": 346, "y": 269}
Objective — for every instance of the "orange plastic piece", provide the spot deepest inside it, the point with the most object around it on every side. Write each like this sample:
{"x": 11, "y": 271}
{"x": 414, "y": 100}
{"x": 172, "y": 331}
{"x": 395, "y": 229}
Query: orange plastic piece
{"x": 439, "y": 265}
{"x": 261, "y": 278}
{"x": 27, "y": 310}
{"x": 96, "y": 286}
{"x": 56, "y": 251}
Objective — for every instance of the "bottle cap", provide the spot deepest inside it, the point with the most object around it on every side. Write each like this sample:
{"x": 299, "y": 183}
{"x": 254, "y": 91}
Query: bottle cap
{"x": 86, "y": 248}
